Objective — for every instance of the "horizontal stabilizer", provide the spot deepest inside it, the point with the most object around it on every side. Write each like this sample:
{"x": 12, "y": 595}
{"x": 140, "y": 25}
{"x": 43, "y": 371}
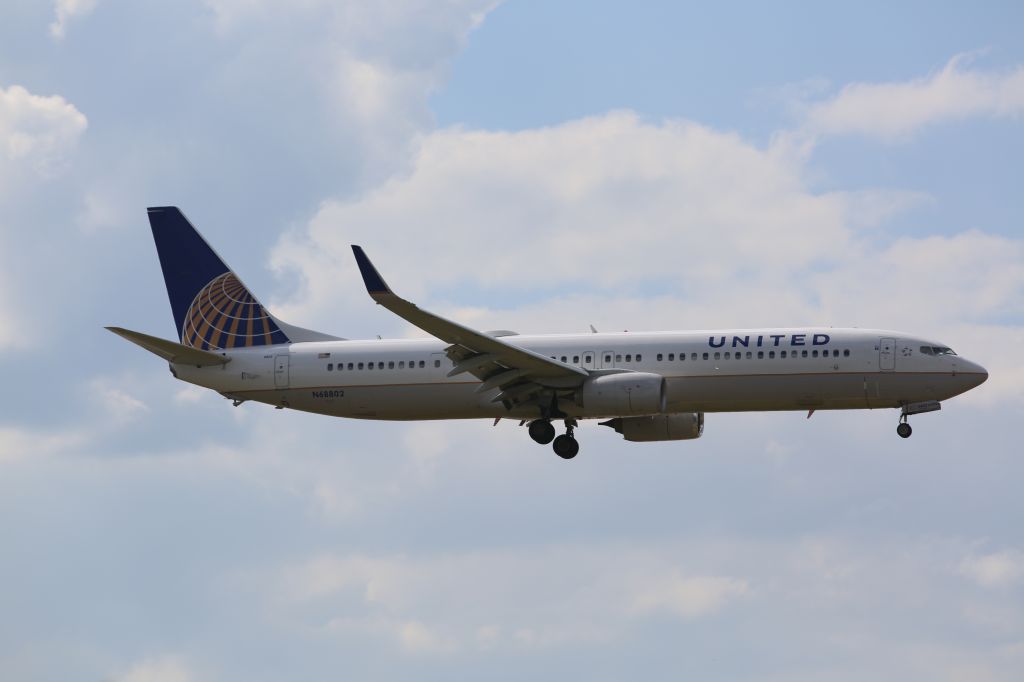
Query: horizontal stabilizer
{"x": 172, "y": 351}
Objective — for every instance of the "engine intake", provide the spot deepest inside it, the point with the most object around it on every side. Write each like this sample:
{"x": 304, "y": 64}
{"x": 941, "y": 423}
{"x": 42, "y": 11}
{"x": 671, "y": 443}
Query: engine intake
{"x": 629, "y": 393}
{"x": 685, "y": 426}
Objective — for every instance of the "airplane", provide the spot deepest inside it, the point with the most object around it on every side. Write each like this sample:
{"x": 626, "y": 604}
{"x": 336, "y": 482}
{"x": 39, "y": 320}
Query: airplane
{"x": 653, "y": 386}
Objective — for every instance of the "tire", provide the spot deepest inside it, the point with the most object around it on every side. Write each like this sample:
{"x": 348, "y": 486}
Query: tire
{"x": 566, "y": 447}
{"x": 904, "y": 430}
{"x": 541, "y": 431}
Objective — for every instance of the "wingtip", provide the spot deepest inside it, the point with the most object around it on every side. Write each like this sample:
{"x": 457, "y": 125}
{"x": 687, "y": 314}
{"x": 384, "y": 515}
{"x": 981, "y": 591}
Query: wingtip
{"x": 375, "y": 284}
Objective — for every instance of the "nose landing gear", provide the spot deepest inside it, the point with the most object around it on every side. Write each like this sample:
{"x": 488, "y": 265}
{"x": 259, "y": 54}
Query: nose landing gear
{"x": 904, "y": 429}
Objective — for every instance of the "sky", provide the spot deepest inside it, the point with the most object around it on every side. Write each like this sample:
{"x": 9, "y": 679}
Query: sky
{"x": 525, "y": 165}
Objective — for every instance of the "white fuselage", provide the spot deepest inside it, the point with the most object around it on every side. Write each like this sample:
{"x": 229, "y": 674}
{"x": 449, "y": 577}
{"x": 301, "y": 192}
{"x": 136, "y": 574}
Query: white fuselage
{"x": 704, "y": 371}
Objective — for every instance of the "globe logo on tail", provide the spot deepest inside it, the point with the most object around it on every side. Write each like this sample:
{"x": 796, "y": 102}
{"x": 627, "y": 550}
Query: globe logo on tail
{"x": 225, "y": 315}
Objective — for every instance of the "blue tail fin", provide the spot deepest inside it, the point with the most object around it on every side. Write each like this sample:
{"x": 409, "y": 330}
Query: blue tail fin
{"x": 212, "y": 308}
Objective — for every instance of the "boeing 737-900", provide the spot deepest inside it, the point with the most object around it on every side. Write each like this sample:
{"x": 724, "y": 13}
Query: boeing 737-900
{"x": 654, "y": 386}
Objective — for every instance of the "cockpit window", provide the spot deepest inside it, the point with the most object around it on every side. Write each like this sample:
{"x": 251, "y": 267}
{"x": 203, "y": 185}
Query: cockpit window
{"x": 936, "y": 350}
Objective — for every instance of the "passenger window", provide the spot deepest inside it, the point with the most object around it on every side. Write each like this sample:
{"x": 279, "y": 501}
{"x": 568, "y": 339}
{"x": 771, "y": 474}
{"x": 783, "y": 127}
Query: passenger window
{"x": 360, "y": 365}
{"x": 401, "y": 364}
{"x": 629, "y": 358}
{"x": 846, "y": 353}
{"x": 437, "y": 363}
{"x": 330, "y": 366}
{"x": 565, "y": 359}
{"x": 771, "y": 355}
{"x": 718, "y": 356}
{"x": 835, "y": 353}
{"x": 803, "y": 353}
{"x": 693, "y": 356}
{"x": 588, "y": 359}
{"x": 726, "y": 355}
{"x": 607, "y": 359}
{"x": 814, "y": 353}
{"x": 749, "y": 355}
{"x": 659, "y": 357}
{"x": 369, "y": 365}
{"x": 705, "y": 356}
{"x": 782, "y": 354}
{"x": 380, "y": 365}
{"x": 618, "y": 358}
{"x": 638, "y": 358}
{"x": 575, "y": 359}
{"x": 422, "y": 364}
{"x": 672, "y": 356}
{"x": 760, "y": 355}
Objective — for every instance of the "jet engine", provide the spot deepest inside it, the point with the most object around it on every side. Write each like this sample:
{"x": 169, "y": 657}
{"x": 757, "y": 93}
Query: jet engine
{"x": 629, "y": 393}
{"x": 685, "y": 426}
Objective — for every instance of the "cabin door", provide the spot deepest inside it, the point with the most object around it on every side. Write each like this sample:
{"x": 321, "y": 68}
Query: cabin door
{"x": 887, "y": 355}
{"x": 281, "y": 371}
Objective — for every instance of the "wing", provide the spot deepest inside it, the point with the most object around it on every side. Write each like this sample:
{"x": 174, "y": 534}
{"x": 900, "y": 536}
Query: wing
{"x": 521, "y": 375}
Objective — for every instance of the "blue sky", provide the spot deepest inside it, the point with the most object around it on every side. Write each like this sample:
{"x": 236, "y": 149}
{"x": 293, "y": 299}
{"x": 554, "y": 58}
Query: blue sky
{"x": 531, "y": 166}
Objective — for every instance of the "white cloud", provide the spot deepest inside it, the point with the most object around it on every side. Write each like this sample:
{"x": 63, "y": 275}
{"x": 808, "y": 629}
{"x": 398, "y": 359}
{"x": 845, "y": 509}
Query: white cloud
{"x": 37, "y": 131}
{"x": 689, "y": 597}
{"x": 998, "y": 569}
{"x": 66, "y": 10}
{"x": 536, "y": 602}
{"x": 594, "y": 201}
{"x": 415, "y": 637}
{"x": 18, "y": 443}
{"x": 117, "y": 404}
{"x": 892, "y": 110}
{"x": 159, "y": 669}
{"x": 368, "y": 68}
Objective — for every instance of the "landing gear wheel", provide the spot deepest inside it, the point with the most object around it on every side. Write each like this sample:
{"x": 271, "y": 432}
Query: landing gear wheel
{"x": 542, "y": 431}
{"x": 904, "y": 430}
{"x": 566, "y": 446}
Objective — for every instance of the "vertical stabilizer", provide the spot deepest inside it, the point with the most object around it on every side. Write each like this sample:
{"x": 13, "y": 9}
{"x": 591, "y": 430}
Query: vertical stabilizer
{"x": 212, "y": 309}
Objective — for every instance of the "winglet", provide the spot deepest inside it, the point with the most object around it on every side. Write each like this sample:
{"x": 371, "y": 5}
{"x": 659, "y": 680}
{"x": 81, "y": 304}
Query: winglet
{"x": 375, "y": 284}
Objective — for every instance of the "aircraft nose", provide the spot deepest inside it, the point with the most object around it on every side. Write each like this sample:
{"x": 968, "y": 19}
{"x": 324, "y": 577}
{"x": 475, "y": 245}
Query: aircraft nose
{"x": 979, "y": 374}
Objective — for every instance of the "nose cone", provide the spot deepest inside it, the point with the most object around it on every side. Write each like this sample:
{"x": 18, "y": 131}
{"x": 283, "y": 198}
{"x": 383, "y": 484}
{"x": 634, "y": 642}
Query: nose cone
{"x": 976, "y": 374}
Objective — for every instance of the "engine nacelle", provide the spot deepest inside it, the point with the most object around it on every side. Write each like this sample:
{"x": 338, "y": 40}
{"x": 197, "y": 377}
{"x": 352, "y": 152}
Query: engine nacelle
{"x": 629, "y": 393}
{"x": 685, "y": 426}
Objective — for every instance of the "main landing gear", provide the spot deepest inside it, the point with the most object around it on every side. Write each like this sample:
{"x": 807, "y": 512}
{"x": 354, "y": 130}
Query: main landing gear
{"x": 904, "y": 429}
{"x": 565, "y": 446}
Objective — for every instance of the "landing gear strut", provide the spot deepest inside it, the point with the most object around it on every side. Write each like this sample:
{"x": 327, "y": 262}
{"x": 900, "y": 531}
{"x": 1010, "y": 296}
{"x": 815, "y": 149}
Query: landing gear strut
{"x": 565, "y": 446}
